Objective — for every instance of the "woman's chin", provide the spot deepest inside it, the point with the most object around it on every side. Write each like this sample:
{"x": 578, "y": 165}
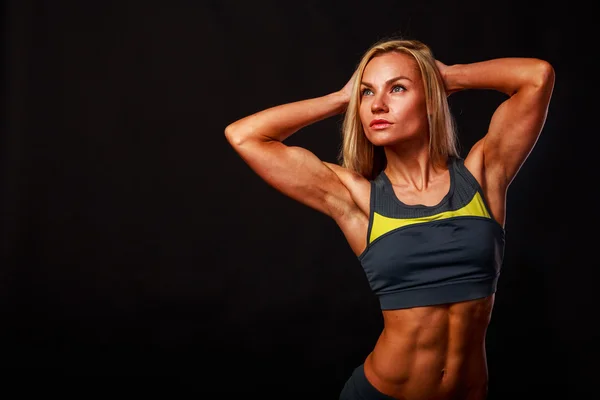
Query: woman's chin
{"x": 382, "y": 139}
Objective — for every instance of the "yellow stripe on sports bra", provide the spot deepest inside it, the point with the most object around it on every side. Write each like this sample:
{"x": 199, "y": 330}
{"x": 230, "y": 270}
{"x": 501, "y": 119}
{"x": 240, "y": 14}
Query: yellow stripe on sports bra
{"x": 382, "y": 225}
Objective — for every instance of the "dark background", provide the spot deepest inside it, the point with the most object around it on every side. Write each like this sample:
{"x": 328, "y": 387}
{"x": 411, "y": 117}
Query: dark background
{"x": 139, "y": 249}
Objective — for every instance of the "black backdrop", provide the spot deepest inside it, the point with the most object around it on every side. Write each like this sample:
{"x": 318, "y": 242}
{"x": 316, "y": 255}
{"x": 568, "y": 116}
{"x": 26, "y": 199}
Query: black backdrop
{"x": 136, "y": 244}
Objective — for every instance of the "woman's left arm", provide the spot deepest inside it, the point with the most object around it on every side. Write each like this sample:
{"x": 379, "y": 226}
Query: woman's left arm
{"x": 517, "y": 123}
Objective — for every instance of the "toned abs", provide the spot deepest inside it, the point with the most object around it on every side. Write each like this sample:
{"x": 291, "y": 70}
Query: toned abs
{"x": 435, "y": 352}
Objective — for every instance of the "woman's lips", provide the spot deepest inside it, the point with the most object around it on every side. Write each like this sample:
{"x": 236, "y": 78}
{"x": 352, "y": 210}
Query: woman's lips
{"x": 380, "y": 124}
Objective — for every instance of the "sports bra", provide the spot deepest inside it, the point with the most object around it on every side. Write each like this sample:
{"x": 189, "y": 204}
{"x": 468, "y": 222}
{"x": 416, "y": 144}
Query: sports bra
{"x": 419, "y": 255}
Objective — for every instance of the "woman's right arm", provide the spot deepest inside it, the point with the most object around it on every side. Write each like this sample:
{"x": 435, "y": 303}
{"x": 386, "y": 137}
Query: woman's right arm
{"x": 295, "y": 171}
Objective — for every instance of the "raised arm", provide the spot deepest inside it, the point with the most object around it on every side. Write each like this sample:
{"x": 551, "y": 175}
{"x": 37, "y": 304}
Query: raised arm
{"x": 516, "y": 124}
{"x": 295, "y": 171}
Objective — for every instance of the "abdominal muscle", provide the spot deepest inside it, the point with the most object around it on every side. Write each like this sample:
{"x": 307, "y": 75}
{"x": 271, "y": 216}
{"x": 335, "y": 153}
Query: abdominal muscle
{"x": 433, "y": 353}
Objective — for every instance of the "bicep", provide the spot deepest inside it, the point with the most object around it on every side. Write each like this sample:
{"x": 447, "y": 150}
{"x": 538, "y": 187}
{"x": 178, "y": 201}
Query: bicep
{"x": 515, "y": 127}
{"x": 297, "y": 173}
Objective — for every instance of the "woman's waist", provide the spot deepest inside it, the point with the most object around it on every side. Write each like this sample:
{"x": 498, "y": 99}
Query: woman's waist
{"x": 410, "y": 371}
{"x": 441, "y": 348}
{"x": 400, "y": 361}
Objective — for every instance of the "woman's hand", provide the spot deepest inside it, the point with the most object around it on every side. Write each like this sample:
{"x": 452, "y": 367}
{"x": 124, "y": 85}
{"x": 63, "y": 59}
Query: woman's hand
{"x": 346, "y": 91}
{"x": 443, "y": 68}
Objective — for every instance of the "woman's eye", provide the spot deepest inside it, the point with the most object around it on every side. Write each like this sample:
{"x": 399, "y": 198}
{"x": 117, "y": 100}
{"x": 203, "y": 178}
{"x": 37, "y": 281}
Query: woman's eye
{"x": 366, "y": 92}
{"x": 398, "y": 88}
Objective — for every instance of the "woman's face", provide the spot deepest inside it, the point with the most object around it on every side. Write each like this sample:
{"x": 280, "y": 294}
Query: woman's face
{"x": 392, "y": 100}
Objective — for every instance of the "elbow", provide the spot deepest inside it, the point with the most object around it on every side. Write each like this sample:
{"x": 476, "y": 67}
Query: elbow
{"x": 238, "y": 134}
{"x": 537, "y": 78}
{"x": 233, "y": 135}
{"x": 543, "y": 76}
{"x": 229, "y": 133}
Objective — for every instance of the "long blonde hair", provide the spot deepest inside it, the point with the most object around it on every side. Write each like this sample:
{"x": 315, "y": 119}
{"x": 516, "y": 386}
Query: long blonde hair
{"x": 358, "y": 153}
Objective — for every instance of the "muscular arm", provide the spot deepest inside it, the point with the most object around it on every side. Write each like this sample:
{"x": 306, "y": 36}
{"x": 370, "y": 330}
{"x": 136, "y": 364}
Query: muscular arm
{"x": 516, "y": 124}
{"x": 294, "y": 171}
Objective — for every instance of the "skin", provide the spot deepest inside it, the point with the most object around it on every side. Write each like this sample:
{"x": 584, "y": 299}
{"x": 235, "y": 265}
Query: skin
{"x": 434, "y": 352}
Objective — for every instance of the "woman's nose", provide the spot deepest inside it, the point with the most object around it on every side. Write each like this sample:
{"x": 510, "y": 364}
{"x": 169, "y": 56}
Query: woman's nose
{"x": 379, "y": 105}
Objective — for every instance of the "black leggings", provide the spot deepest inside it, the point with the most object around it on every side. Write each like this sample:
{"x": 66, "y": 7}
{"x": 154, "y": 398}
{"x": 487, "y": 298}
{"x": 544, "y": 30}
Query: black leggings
{"x": 357, "y": 387}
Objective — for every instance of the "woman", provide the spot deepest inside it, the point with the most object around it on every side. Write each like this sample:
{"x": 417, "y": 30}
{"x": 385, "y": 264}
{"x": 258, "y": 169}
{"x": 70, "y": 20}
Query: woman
{"x": 426, "y": 224}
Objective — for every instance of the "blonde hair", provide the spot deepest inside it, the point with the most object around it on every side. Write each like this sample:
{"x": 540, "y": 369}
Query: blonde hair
{"x": 358, "y": 153}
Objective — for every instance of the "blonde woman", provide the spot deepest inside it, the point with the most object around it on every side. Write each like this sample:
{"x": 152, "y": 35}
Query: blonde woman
{"x": 426, "y": 224}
